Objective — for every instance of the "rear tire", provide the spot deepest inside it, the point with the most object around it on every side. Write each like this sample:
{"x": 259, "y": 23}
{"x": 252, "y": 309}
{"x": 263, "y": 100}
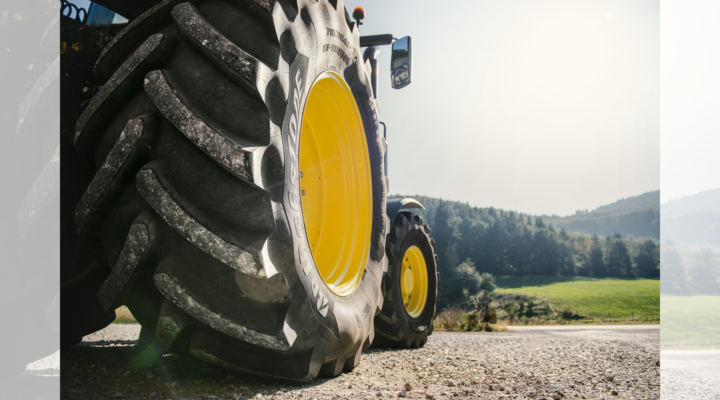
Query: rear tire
{"x": 394, "y": 326}
{"x": 191, "y": 211}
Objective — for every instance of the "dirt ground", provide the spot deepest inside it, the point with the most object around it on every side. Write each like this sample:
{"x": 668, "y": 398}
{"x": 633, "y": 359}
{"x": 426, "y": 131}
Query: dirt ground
{"x": 539, "y": 363}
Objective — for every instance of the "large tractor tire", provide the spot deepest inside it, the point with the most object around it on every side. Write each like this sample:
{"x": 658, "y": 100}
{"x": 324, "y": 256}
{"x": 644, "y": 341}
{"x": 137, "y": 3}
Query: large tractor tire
{"x": 410, "y": 286}
{"x": 234, "y": 191}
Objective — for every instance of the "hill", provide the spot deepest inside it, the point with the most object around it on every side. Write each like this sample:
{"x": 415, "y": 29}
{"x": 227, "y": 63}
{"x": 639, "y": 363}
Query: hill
{"x": 707, "y": 201}
{"x": 693, "y": 220}
{"x": 638, "y": 216}
{"x": 645, "y": 200}
{"x": 639, "y": 223}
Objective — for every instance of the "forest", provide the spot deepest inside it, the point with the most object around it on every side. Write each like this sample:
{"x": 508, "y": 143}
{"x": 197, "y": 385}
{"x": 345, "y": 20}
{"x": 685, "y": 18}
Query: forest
{"x": 690, "y": 270}
{"x": 472, "y": 241}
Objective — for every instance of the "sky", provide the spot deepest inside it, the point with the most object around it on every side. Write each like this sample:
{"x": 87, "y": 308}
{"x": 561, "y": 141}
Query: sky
{"x": 543, "y": 107}
{"x": 690, "y": 97}
{"x": 551, "y": 106}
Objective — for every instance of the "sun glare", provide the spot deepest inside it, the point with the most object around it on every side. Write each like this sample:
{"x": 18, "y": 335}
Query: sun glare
{"x": 563, "y": 60}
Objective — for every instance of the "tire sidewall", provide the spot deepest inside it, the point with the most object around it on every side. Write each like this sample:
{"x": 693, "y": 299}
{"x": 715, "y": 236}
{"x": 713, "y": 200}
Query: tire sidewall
{"x": 323, "y": 49}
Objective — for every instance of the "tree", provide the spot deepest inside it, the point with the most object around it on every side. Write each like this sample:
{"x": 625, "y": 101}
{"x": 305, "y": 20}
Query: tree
{"x": 704, "y": 273}
{"x": 508, "y": 243}
{"x": 674, "y": 279}
{"x": 462, "y": 283}
{"x": 511, "y": 310}
{"x": 450, "y": 257}
{"x": 563, "y": 234}
{"x": 618, "y": 257}
{"x": 648, "y": 259}
{"x": 487, "y": 281}
{"x": 444, "y": 234}
{"x": 597, "y": 261}
{"x": 443, "y": 227}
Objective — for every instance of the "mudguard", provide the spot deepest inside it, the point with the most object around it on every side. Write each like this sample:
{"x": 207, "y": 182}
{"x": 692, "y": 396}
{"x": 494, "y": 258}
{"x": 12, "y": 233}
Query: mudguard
{"x": 395, "y": 205}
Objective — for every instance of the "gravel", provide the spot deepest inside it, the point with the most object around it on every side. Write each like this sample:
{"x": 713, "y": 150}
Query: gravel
{"x": 690, "y": 374}
{"x": 536, "y": 364}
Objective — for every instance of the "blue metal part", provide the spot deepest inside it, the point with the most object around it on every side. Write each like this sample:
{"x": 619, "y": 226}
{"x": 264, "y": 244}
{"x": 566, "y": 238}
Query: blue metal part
{"x": 70, "y": 10}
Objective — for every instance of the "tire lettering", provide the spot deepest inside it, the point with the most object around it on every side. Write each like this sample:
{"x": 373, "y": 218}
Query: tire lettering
{"x": 322, "y": 305}
{"x": 293, "y": 170}
{"x": 293, "y": 125}
{"x": 292, "y": 153}
{"x": 304, "y": 260}
{"x": 323, "y": 311}
{"x": 291, "y": 133}
{"x": 298, "y": 83}
{"x": 366, "y": 309}
{"x": 333, "y": 33}
{"x": 294, "y": 202}
{"x": 298, "y": 226}
{"x": 313, "y": 285}
{"x": 337, "y": 50}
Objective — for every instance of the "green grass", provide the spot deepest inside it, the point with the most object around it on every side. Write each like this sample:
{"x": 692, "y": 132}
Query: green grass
{"x": 690, "y": 321}
{"x": 599, "y": 299}
{"x": 605, "y": 300}
{"x": 124, "y": 316}
{"x": 513, "y": 282}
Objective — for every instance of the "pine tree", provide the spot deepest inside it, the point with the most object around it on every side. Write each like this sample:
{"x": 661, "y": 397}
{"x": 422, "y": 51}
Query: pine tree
{"x": 443, "y": 229}
{"x": 674, "y": 279}
{"x": 618, "y": 258}
{"x": 648, "y": 259}
{"x": 444, "y": 234}
{"x": 704, "y": 273}
{"x": 597, "y": 262}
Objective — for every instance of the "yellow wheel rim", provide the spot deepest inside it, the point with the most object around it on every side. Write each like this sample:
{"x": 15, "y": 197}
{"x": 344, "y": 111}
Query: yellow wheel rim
{"x": 335, "y": 183}
{"x": 414, "y": 281}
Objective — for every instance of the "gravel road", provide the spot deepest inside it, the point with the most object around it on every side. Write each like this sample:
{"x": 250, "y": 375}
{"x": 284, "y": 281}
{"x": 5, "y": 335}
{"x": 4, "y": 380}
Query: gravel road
{"x": 539, "y": 363}
{"x": 690, "y": 374}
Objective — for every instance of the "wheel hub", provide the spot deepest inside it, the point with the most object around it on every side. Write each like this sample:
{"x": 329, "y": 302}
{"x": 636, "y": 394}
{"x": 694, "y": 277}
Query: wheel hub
{"x": 414, "y": 281}
{"x": 335, "y": 183}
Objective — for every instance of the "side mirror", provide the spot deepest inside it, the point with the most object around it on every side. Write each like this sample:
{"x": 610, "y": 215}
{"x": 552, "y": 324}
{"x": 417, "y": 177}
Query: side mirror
{"x": 401, "y": 64}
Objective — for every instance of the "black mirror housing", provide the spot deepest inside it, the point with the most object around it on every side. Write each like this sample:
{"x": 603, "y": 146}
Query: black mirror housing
{"x": 401, "y": 63}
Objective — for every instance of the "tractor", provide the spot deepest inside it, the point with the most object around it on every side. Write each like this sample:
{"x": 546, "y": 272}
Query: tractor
{"x": 225, "y": 178}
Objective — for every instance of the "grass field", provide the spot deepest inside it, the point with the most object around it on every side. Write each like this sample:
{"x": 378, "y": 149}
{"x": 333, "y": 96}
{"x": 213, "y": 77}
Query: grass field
{"x": 123, "y": 316}
{"x": 609, "y": 300}
{"x": 690, "y": 322}
{"x": 599, "y": 299}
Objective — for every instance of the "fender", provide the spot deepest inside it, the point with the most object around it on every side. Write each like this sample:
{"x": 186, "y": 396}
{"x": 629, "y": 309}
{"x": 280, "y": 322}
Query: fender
{"x": 395, "y": 205}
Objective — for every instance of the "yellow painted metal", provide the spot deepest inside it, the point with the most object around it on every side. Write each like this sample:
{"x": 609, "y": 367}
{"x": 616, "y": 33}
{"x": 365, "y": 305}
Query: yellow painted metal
{"x": 414, "y": 281}
{"x": 335, "y": 183}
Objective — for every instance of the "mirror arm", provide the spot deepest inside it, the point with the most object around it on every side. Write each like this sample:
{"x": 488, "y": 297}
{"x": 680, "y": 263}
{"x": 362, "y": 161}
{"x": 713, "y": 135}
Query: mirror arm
{"x": 371, "y": 54}
{"x": 376, "y": 40}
